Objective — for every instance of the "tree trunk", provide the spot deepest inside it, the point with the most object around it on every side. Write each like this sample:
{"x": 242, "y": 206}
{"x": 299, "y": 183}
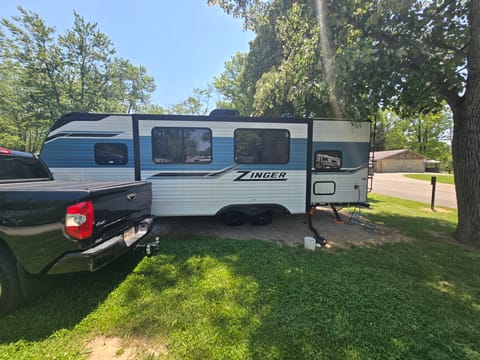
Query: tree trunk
{"x": 466, "y": 162}
{"x": 466, "y": 140}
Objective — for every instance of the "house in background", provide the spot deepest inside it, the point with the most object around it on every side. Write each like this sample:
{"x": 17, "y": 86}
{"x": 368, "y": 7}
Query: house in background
{"x": 398, "y": 161}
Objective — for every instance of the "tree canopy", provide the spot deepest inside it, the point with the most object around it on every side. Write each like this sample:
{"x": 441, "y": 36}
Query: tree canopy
{"x": 354, "y": 55}
{"x": 44, "y": 75}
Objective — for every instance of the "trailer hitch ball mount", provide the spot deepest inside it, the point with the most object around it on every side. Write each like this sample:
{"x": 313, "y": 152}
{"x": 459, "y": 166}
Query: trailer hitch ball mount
{"x": 150, "y": 248}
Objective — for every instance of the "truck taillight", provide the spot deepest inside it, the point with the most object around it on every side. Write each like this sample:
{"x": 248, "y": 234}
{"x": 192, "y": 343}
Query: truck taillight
{"x": 79, "y": 220}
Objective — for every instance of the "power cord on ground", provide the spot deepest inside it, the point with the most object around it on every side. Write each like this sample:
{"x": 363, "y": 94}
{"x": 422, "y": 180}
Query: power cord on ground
{"x": 356, "y": 217}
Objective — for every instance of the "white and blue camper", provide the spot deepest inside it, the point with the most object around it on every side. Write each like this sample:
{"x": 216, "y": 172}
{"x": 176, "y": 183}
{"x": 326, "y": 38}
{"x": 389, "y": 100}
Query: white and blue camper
{"x": 228, "y": 166}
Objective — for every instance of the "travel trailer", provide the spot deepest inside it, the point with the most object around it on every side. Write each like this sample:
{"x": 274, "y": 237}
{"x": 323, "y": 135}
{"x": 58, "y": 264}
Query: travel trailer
{"x": 235, "y": 167}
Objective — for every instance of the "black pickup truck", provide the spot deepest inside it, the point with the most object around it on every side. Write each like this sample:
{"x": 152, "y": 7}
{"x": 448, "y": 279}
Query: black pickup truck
{"x": 55, "y": 227}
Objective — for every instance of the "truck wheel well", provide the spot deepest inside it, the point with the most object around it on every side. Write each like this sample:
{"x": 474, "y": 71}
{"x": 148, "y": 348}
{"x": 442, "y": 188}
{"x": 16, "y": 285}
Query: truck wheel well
{"x": 5, "y": 248}
{"x": 11, "y": 294}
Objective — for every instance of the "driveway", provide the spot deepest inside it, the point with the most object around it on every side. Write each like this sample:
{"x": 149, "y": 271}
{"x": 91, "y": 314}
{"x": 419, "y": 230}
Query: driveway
{"x": 397, "y": 185}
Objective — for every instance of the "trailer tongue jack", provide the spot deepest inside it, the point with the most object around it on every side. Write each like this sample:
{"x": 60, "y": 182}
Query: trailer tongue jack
{"x": 320, "y": 240}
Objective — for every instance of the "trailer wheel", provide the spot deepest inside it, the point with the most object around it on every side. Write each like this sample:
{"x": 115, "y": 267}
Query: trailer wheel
{"x": 264, "y": 218}
{"x": 10, "y": 290}
{"x": 234, "y": 218}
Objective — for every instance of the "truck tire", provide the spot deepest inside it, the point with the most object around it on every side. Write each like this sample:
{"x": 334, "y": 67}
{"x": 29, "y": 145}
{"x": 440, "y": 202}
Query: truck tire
{"x": 10, "y": 290}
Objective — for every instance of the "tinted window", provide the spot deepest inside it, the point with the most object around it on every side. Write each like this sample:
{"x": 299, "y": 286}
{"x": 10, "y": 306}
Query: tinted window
{"x": 21, "y": 168}
{"x": 328, "y": 160}
{"x": 111, "y": 154}
{"x": 181, "y": 145}
{"x": 262, "y": 146}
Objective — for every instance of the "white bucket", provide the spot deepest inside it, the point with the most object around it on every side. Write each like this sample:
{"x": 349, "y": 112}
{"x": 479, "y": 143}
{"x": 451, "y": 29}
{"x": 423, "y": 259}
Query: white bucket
{"x": 309, "y": 243}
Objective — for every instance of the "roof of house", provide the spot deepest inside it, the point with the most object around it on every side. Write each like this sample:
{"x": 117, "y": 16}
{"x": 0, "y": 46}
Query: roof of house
{"x": 379, "y": 155}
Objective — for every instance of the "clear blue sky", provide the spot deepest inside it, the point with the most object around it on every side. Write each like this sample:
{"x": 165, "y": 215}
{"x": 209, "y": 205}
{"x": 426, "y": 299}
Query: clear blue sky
{"x": 182, "y": 43}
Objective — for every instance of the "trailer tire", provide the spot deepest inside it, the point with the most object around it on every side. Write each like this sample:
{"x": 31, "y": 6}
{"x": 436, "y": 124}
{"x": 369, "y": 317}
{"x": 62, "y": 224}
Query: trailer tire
{"x": 10, "y": 290}
{"x": 234, "y": 218}
{"x": 264, "y": 218}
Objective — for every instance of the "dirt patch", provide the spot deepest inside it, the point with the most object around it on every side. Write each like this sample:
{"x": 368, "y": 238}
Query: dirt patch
{"x": 286, "y": 229}
{"x": 113, "y": 347}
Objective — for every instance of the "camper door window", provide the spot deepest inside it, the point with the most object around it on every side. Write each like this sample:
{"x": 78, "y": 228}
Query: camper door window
{"x": 173, "y": 145}
{"x": 328, "y": 160}
{"x": 262, "y": 146}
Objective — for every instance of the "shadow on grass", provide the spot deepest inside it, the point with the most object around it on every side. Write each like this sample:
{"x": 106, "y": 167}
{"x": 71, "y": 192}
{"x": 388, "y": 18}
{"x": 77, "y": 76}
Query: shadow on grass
{"x": 412, "y": 218}
{"x": 417, "y": 225}
{"x": 214, "y": 299}
{"x": 237, "y": 299}
{"x": 68, "y": 299}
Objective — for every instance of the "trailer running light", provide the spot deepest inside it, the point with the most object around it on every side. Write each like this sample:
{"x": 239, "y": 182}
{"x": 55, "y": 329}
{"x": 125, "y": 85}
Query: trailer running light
{"x": 79, "y": 220}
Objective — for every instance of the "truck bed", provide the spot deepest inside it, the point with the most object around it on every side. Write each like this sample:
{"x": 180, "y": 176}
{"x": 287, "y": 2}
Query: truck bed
{"x": 32, "y": 216}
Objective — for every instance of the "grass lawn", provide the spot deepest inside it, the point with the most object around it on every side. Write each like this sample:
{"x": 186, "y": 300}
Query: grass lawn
{"x": 228, "y": 299}
{"x": 444, "y": 179}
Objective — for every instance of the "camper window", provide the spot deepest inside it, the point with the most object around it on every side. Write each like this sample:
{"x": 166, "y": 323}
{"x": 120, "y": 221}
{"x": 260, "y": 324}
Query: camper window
{"x": 328, "y": 160}
{"x": 262, "y": 146}
{"x": 111, "y": 153}
{"x": 181, "y": 145}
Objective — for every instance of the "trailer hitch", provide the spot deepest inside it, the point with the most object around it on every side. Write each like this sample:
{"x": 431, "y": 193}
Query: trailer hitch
{"x": 149, "y": 248}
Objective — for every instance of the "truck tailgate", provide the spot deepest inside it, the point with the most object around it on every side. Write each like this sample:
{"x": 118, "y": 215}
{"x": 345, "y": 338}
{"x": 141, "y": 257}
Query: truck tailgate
{"x": 51, "y": 226}
{"x": 117, "y": 207}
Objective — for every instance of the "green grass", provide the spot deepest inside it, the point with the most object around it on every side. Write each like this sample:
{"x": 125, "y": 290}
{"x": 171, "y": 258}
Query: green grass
{"x": 444, "y": 179}
{"x": 228, "y": 299}
{"x": 414, "y": 219}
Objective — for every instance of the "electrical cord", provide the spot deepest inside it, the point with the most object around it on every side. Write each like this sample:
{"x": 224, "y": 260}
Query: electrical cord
{"x": 356, "y": 217}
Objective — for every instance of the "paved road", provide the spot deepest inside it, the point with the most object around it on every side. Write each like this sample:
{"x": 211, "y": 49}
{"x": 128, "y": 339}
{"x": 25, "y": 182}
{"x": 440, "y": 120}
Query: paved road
{"x": 397, "y": 185}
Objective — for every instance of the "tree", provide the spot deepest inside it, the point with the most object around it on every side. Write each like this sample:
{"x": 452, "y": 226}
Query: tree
{"x": 427, "y": 134}
{"x": 134, "y": 87}
{"x": 427, "y": 130}
{"x": 412, "y": 55}
{"x": 391, "y": 131}
{"x": 294, "y": 85}
{"x": 30, "y": 66}
{"x": 84, "y": 73}
{"x": 417, "y": 55}
{"x": 282, "y": 72}
{"x": 9, "y": 103}
{"x": 151, "y": 109}
{"x": 230, "y": 85}
{"x": 44, "y": 76}
{"x": 196, "y": 104}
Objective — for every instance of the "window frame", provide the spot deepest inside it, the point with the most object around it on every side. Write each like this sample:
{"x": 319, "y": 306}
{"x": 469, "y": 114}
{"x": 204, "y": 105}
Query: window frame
{"x": 20, "y": 167}
{"x": 112, "y": 163}
{"x": 235, "y": 141}
{"x": 182, "y": 128}
{"x": 328, "y": 153}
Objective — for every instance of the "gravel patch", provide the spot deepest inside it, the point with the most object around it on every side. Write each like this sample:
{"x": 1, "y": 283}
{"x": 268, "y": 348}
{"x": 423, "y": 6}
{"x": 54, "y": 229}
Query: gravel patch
{"x": 286, "y": 229}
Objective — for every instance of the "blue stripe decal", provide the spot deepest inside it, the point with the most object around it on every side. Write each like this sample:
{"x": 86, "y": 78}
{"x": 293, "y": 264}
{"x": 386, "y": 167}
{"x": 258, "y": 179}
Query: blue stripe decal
{"x": 79, "y": 153}
{"x": 223, "y": 157}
